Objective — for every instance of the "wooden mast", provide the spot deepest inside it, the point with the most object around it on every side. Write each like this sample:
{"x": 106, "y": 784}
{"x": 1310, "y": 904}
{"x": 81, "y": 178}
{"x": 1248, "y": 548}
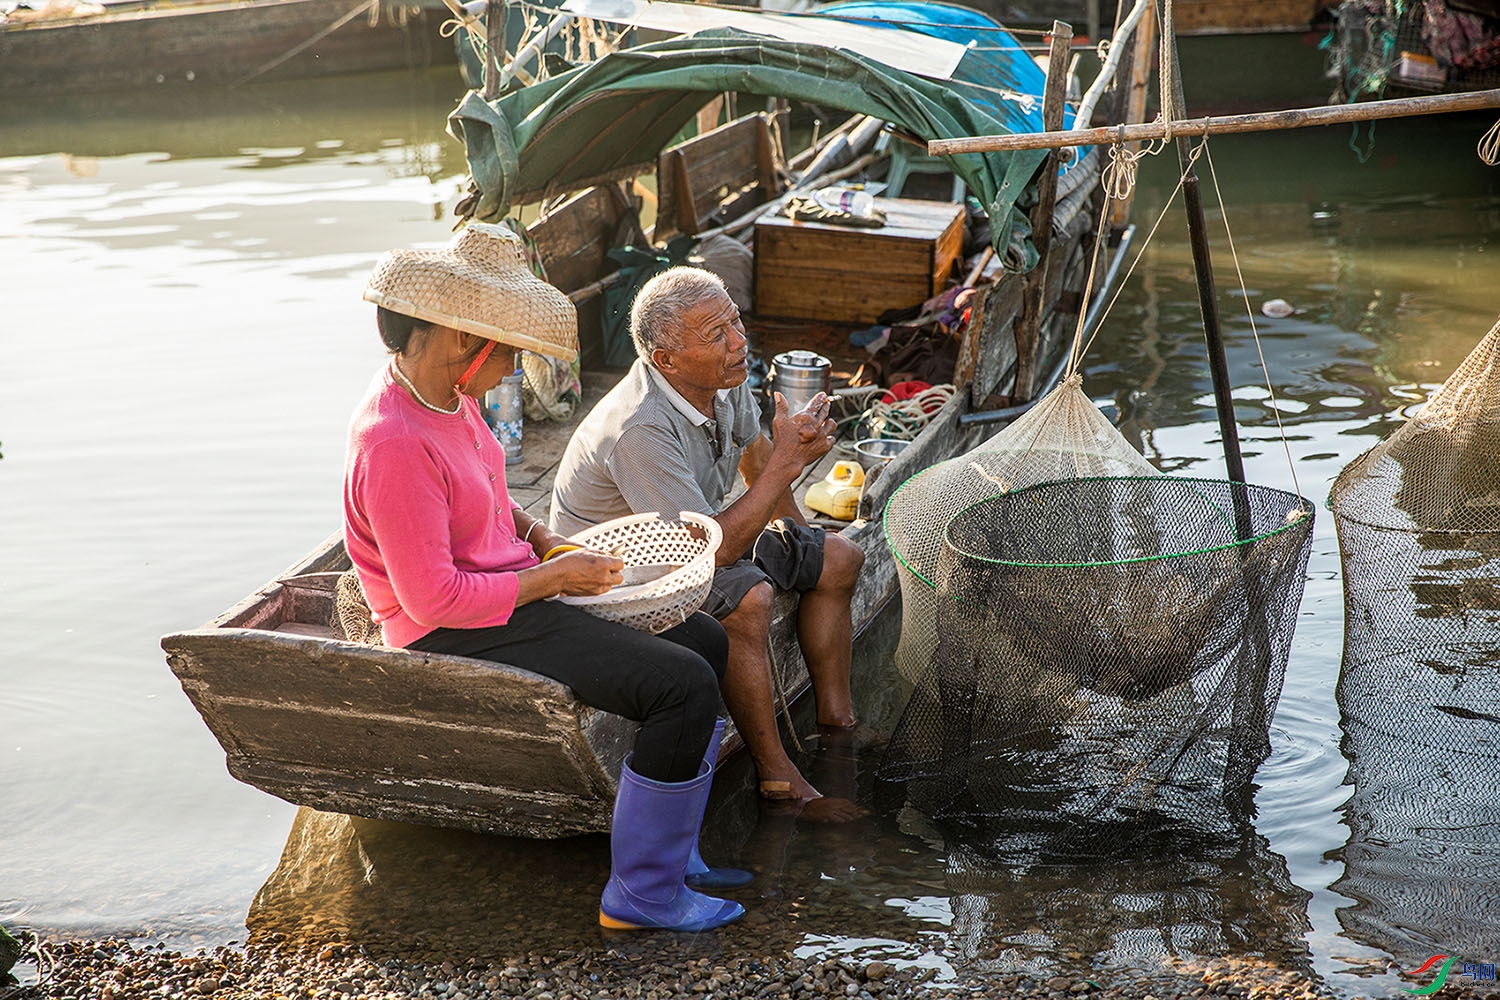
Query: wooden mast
{"x": 1135, "y": 100}
{"x": 1028, "y": 324}
{"x": 494, "y": 48}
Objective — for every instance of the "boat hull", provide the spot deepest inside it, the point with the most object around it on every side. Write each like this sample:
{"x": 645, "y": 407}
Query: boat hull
{"x": 218, "y": 43}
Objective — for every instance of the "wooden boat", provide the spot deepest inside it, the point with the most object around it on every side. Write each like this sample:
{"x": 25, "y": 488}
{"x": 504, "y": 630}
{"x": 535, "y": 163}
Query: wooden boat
{"x": 1231, "y": 17}
{"x": 85, "y": 47}
{"x": 315, "y": 719}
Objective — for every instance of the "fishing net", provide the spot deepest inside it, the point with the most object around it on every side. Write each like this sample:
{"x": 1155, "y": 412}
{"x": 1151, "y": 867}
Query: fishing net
{"x": 1418, "y": 519}
{"x": 1063, "y": 437}
{"x": 1108, "y": 652}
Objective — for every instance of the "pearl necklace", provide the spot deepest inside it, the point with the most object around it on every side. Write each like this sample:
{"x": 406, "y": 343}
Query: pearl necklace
{"x": 401, "y": 377}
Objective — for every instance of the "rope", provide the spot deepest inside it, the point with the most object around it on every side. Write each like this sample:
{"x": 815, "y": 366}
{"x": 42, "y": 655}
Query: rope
{"x": 1119, "y": 174}
{"x": 461, "y": 20}
{"x": 1254, "y": 333}
{"x": 1167, "y": 73}
{"x": 786, "y": 706}
{"x": 1079, "y": 351}
{"x": 372, "y": 7}
{"x": 905, "y": 418}
{"x": 1112, "y": 181}
{"x": 1489, "y": 145}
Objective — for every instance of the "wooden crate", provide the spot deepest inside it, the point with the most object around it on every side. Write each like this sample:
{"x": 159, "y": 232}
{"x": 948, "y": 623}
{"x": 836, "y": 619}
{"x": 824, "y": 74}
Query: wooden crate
{"x": 845, "y": 274}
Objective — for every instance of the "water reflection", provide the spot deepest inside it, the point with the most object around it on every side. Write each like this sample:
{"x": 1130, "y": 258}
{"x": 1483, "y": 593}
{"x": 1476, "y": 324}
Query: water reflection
{"x": 1230, "y": 898}
{"x": 892, "y": 887}
{"x": 406, "y": 890}
{"x": 270, "y": 125}
{"x": 422, "y": 893}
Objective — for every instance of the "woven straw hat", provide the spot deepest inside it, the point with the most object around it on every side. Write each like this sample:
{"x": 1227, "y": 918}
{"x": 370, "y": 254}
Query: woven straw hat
{"x": 480, "y": 284}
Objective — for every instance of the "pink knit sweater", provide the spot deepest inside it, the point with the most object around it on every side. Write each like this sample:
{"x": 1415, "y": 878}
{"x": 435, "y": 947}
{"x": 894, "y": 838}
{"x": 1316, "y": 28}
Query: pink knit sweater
{"x": 427, "y": 519}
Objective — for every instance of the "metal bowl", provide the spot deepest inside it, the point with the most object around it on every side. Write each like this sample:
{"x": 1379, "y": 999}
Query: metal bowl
{"x": 878, "y": 451}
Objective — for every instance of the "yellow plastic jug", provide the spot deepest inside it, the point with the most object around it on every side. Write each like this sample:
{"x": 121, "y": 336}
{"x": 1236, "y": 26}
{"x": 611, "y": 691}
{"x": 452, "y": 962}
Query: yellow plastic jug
{"x": 837, "y": 495}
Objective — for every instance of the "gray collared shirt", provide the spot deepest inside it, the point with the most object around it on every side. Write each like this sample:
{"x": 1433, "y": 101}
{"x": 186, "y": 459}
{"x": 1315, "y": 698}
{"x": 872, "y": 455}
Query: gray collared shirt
{"x": 644, "y": 448}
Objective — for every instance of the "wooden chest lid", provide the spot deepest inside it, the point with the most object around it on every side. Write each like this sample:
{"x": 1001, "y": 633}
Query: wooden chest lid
{"x": 905, "y": 218}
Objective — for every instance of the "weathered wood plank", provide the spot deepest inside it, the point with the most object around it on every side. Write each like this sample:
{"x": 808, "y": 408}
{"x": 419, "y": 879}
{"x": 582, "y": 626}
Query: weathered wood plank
{"x": 509, "y": 812}
{"x": 696, "y": 176}
{"x": 574, "y": 238}
{"x": 358, "y": 718}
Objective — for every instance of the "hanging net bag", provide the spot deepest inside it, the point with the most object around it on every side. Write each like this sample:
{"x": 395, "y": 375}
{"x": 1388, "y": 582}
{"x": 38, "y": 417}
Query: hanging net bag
{"x": 1110, "y": 652}
{"x": 1063, "y": 437}
{"x": 1418, "y": 519}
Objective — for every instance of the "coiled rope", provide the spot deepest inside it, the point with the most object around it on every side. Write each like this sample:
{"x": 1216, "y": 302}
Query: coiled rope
{"x": 904, "y": 419}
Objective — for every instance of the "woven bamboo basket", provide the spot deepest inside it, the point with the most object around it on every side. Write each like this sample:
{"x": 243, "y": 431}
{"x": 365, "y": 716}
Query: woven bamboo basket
{"x": 669, "y": 565}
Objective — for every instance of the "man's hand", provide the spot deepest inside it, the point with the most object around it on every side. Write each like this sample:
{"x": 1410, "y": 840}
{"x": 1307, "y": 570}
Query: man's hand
{"x": 802, "y": 437}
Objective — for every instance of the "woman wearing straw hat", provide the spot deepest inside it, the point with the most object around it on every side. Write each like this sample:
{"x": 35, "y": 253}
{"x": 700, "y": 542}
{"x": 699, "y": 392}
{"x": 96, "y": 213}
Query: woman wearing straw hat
{"x": 450, "y": 565}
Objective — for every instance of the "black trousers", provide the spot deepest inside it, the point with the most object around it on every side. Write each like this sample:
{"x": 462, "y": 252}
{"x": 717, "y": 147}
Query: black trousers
{"x": 668, "y": 683}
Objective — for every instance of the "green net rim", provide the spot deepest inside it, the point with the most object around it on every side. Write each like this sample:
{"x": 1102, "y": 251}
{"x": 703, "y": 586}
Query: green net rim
{"x": 1306, "y": 506}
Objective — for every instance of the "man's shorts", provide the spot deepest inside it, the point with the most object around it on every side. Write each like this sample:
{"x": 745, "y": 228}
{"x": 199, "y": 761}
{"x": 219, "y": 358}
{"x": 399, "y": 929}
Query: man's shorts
{"x": 788, "y": 554}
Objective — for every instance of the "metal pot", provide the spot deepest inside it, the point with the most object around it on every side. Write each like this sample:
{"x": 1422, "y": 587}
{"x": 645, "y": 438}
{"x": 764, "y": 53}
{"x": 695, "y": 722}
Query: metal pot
{"x": 799, "y": 376}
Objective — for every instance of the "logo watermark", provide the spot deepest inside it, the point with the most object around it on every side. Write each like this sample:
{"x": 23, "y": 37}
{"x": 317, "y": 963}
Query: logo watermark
{"x": 1477, "y": 971}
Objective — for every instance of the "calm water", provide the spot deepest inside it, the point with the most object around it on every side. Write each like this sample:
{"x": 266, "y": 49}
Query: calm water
{"x": 184, "y": 342}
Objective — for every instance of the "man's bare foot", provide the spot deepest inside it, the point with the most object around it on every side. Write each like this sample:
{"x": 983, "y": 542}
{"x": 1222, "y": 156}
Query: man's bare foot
{"x": 856, "y": 735}
{"x": 823, "y": 809}
{"x": 788, "y": 786}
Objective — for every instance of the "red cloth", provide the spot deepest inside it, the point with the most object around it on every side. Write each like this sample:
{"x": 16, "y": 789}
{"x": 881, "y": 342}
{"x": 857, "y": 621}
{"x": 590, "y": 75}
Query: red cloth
{"x": 904, "y": 390}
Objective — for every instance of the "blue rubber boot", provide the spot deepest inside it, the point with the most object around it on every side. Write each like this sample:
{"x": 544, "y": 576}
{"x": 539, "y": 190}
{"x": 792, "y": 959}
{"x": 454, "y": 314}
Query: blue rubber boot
{"x": 655, "y": 827}
{"x": 699, "y": 875}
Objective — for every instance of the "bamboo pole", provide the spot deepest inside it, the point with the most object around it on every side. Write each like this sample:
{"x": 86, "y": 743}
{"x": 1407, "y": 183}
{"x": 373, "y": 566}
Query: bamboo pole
{"x": 1117, "y": 50}
{"x": 1029, "y": 324}
{"x": 1268, "y": 121}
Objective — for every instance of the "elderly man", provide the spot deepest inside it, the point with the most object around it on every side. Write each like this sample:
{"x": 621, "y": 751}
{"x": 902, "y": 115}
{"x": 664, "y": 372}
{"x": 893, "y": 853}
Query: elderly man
{"x": 669, "y": 437}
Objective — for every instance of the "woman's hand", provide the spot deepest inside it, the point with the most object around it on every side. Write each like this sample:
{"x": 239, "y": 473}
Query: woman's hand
{"x": 586, "y": 573}
{"x": 579, "y": 573}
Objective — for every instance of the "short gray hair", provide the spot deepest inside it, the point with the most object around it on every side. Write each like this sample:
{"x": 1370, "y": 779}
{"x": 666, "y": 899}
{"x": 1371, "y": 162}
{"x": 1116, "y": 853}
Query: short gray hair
{"x": 655, "y": 316}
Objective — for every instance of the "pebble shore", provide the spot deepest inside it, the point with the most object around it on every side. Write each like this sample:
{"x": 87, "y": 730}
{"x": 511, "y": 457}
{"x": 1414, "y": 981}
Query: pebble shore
{"x": 642, "y": 967}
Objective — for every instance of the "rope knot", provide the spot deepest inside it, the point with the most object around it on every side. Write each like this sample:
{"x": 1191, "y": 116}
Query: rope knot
{"x": 1119, "y": 174}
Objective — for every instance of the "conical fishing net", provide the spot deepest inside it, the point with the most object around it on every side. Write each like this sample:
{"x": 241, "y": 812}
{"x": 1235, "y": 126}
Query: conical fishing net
{"x": 1063, "y": 437}
{"x": 1418, "y": 520}
{"x": 1108, "y": 652}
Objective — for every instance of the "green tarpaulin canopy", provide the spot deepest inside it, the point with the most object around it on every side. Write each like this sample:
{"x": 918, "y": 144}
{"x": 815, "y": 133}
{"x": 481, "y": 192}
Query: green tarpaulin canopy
{"x": 613, "y": 117}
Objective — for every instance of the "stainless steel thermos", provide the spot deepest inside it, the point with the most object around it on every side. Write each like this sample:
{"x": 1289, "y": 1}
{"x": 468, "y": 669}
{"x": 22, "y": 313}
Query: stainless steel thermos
{"x": 799, "y": 376}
